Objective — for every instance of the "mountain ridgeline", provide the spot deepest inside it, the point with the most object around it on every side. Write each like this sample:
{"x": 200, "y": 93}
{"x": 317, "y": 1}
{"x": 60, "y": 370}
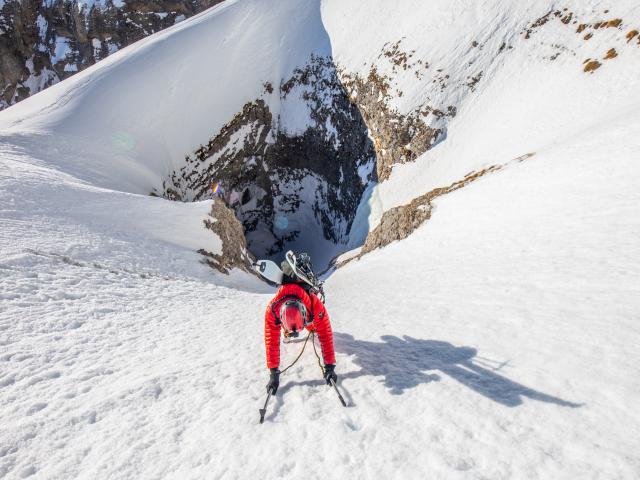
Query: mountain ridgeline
{"x": 45, "y": 41}
{"x": 293, "y": 122}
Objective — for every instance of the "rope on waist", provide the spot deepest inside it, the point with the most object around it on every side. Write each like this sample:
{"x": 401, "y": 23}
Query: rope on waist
{"x": 313, "y": 336}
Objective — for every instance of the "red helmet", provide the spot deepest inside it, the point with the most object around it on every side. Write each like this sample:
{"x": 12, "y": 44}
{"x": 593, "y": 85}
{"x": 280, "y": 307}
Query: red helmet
{"x": 293, "y": 316}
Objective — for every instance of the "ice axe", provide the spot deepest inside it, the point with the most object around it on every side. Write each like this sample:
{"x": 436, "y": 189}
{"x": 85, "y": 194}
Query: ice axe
{"x": 263, "y": 410}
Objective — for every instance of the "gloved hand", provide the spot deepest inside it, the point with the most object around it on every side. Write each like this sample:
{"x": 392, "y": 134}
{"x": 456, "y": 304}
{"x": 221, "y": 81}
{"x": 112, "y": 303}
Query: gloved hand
{"x": 330, "y": 374}
{"x": 274, "y": 381}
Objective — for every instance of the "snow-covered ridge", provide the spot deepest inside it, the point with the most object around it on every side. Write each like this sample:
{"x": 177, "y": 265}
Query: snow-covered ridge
{"x": 43, "y": 42}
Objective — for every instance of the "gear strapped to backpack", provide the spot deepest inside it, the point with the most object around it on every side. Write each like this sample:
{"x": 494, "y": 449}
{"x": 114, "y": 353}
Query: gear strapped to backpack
{"x": 298, "y": 267}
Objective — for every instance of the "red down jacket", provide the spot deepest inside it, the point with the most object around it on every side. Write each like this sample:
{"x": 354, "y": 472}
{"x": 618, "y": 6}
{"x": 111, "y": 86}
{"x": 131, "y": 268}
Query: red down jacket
{"x": 320, "y": 324}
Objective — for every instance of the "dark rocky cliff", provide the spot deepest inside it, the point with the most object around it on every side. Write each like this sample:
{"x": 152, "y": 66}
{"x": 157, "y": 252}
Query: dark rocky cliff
{"x": 287, "y": 183}
{"x": 286, "y": 187}
{"x": 45, "y": 41}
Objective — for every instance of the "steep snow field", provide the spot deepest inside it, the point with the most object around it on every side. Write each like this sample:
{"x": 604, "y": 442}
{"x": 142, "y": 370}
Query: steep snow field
{"x": 531, "y": 96}
{"x": 498, "y": 341}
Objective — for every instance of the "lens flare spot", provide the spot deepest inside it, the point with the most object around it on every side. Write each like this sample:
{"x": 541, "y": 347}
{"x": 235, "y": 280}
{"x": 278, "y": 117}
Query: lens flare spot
{"x": 123, "y": 141}
{"x": 281, "y": 222}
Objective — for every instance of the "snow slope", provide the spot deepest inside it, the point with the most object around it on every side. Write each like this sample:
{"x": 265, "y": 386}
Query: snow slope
{"x": 509, "y": 353}
{"x": 532, "y": 94}
{"x": 498, "y": 341}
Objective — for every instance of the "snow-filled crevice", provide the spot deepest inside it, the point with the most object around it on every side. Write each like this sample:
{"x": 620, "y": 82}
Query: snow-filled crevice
{"x": 299, "y": 163}
{"x": 293, "y": 165}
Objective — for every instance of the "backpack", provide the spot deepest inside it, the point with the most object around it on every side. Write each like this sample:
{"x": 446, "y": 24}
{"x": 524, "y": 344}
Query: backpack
{"x": 297, "y": 266}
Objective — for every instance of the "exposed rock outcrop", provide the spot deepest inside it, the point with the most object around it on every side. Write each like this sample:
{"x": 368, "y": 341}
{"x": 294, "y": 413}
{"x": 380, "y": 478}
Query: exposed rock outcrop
{"x": 228, "y": 228}
{"x": 597, "y": 23}
{"x": 400, "y": 222}
{"x": 397, "y": 138}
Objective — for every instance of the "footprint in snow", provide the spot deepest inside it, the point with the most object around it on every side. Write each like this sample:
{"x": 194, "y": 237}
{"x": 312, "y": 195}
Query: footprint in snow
{"x": 351, "y": 425}
{"x": 47, "y": 376}
{"x": 27, "y": 471}
{"x": 36, "y": 407}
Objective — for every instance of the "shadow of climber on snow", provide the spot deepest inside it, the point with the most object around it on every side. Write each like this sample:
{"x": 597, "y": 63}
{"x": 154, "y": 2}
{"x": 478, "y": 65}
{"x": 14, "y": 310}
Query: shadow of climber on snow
{"x": 407, "y": 362}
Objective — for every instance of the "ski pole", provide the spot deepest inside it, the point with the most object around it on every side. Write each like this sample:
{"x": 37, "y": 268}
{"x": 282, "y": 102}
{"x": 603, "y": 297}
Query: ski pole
{"x": 333, "y": 384}
{"x": 264, "y": 409}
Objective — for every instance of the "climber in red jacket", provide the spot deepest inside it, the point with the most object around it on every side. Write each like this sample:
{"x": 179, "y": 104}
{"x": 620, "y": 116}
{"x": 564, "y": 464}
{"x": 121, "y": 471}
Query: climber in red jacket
{"x": 294, "y": 308}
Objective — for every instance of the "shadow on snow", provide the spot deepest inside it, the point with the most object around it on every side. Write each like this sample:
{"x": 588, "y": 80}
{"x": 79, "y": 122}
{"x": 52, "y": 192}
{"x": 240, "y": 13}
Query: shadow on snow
{"x": 407, "y": 362}
{"x": 404, "y": 363}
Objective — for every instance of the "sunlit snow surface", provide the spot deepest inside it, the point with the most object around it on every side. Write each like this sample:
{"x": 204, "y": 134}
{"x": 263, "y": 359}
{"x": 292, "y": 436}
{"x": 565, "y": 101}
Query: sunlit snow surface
{"x": 498, "y": 341}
